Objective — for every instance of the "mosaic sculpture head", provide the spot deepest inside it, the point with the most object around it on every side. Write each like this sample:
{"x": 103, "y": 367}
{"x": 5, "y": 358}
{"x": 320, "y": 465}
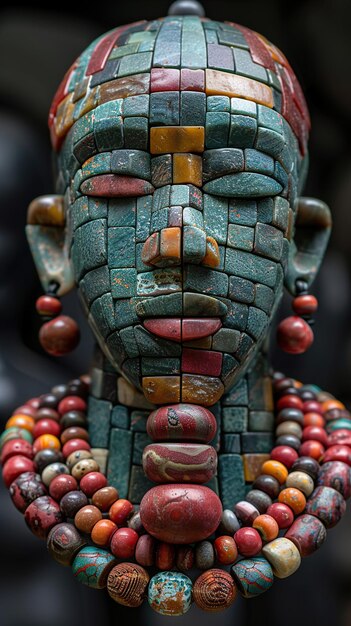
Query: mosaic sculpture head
{"x": 181, "y": 156}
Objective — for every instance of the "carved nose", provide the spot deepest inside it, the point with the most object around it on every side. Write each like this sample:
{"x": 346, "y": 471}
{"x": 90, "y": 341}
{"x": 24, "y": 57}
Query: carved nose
{"x": 180, "y": 244}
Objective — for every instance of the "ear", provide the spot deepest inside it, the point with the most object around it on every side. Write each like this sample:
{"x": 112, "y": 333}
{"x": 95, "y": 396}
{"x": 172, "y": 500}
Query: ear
{"x": 312, "y": 231}
{"x": 46, "y": 234}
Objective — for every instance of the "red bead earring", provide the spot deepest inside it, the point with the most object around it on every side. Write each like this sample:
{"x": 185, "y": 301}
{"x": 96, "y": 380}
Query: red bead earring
{"x": 60, "y": 334}
{"x": 294, "y": 333}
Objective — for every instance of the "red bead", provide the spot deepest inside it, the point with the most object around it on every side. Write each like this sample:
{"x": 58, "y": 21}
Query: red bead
{"x": 285, "y": 455}
{"x": 305, "y": 305}
{"x": 42, "y": 515}
{"x": 225, "y": 549}
{"x": 59, "y": 336}
{"x": 312, "y": 406}
{"x": 165, "y": 555}
{"x": 123, "y": 543}
{"x": 46, "y": 413}
{"x": 14, "y": 447}
{"x": 62, "y": 484}
{"x": 33, "y": 402}
{"x": 313, "y": 419}
{"x": 316, "y": 433}
{"x": 25, "y": 409}
{"x": 120, "y": 511}
{"x": 48, "y": 306}
{"x": 92, "y": 482}
{"x": 46, "y": 427}
{"x": 71, "y": 403}
{"x": 337, "y": 453}
{"x": 312, "y": 448}
{"x": 342, "y": 436}
{"x": 145, "y": 550}
{"x": 294, "y": 335}
{"x": 248, "y": 541}
{"x": 74, "y": 444}
{"x": 282, "y": 514}
{"x": 289, "y": 402}
{"x": 15, "y": 466}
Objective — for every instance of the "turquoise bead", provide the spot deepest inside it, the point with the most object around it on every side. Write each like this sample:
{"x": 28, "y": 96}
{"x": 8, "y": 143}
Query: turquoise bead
{"x": 170, "y": 593}
{"x": 14, "y": 432}
{"x": 92, "y": 566}
{"x": 338, "y": 424}
{"x": 253, "y": 576}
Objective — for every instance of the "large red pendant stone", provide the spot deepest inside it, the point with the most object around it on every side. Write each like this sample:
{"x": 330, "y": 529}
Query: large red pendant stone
{"x": 179, "y": 462}
{"x": 180, "y": 514}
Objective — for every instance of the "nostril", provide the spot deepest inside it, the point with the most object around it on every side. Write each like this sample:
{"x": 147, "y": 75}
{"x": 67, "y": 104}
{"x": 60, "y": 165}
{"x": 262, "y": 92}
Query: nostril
{"x": 162, "y": 248}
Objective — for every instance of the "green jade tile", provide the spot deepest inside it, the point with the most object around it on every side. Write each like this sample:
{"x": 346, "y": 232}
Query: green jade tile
{"x": 123, "y": 282}
{"x": 217, "y": 129}
{"x": 216, "y": 218}
{"x": 194, "y": 244}
{"x": 120, "y": 417}
{"x": 246, "y": 265}
{"x": 231, "y": 479}
{"x": 135, "y": 64}
{"x": 241, "y": 237}
{"x": 141, "y": 440}
{"x": 121, "y": 247}
{"x": 159, "y": 282}
{"x": 206, "y": 281}
{"x": 131, "y": 163}
{"x": 192, "y": 108}
{"x": 119, "y": 461}
{"x": 244, "y": 185}
{"x": 242, "y": 131}
{"x": 99, "y": 412}
{"x": 122, "y": 211}
{"x": 136, "y": 132}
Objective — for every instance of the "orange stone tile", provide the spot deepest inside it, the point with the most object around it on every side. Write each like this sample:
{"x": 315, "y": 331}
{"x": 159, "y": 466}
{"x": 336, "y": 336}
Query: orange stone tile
{"x": 150, "y": 253}
{"x": 90, "y": 101}
{"x": 170, "y": 244}
{"x": 170, "y": 139}
{"x": 224, "y": 83}
{"x": 211, "y": 258}
{"x": 64, "y": 116}
{"x": 124, "y": 87}
{"x": 187, "y": 168}
{"x": 204, "y": 390}
{"x": 162, "y": 389}
{"x": 252, "y": 465}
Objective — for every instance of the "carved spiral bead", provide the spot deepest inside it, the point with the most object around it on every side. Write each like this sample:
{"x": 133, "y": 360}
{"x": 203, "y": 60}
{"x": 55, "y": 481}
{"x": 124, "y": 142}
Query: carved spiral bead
{"x": 127, "y": 583}
{"x": 214, "y": 591}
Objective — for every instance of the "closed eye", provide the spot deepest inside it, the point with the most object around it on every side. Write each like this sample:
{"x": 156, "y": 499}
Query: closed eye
{"x": 244, "y": 185}
{"x": 115, "y": 186}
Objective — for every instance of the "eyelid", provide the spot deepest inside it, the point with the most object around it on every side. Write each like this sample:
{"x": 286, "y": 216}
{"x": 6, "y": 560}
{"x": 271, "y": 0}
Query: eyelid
{"x": 244, "y": 185}
{"x": 115, "y": 186}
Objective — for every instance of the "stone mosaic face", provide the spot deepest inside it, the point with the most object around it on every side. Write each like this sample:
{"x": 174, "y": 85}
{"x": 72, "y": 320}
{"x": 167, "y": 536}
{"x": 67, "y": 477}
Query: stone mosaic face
{"x": 181, "y": 150}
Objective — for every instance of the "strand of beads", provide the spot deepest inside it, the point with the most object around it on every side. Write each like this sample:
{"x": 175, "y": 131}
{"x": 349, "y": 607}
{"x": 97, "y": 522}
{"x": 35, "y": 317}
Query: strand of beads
{"x": 311, "y": 427}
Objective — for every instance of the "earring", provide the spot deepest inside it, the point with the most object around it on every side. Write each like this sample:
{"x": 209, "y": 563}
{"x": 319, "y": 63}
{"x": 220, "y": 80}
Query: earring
{"x": 294, "y": 333}
{"x": 60, "y": 334}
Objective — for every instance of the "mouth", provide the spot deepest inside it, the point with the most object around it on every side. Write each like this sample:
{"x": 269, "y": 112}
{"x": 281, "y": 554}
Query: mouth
{"x": 185, "y": 329}
{"x": 183, "y": 306}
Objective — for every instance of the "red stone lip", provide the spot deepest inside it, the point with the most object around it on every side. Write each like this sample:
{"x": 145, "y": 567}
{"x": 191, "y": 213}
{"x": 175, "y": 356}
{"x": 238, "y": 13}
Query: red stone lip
{"x": 183, "y": 329}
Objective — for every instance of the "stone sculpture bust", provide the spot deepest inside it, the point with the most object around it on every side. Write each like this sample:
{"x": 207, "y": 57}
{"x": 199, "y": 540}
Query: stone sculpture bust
{"x": 181, "y": 154}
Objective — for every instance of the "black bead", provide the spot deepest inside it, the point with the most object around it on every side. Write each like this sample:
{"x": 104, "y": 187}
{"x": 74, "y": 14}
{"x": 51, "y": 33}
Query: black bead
{"x": 60, "y": 391}
{"x": 268, "y": 484}
{"x": 49, "y": 400}
{"x": 308, "y": 465}
{"x": 72, "y": 502}
{"x": 290, "y": 415}
{"x": 289, "y": 440}
{"x": 73, "y": 418}
{"x": 259, "y": 499}
{"x": 47, "y": 456}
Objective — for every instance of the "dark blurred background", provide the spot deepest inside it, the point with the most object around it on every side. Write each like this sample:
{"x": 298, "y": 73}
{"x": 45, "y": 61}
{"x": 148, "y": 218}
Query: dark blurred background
{"x": 36, "y": 47}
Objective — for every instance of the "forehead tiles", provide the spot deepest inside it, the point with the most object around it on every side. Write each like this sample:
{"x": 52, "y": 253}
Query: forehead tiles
{"x": 186, "y": 53}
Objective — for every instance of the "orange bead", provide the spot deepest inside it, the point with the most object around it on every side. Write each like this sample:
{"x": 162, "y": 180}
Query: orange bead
{"x": 120, "y": 511}
{"x": 276, "y": 469}
{"x": 313, "y": 419}
{"x": 293, "y": 498}
{"x": 102, "y": 532}
{"x": 21, "y": 421}
{"x": 330, "y": 404}
{"x": 312, "y": 448}
{"x": 267, "y": 526}
{"x": 46, "y": 441}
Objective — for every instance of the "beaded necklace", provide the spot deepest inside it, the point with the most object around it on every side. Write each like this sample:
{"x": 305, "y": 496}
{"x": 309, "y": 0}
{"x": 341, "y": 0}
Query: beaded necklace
{"x": 300, "y": 492}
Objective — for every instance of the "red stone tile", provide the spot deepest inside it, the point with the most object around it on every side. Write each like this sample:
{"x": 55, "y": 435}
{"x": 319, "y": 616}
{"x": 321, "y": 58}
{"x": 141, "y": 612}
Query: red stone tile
{"x": 113, "y": 186}
{"x": 198, "y": 328}
{"x": 168, "y": 328}
{"x": 203, "y": 362}
{"x": 165, "y": 79}
{"x": 192, "y": 80}
{"x": 101, "y": 52}
{"x": 259, "y": 51}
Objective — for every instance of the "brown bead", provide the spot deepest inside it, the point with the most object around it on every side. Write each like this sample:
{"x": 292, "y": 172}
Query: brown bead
{"x": 87, "y": 517}
{"x": 214, "y": 591}
{"x": 127, "y": 583}
{"x": 59, "y": 336}
{"x": 74, "y": 432}
{"x": 63, "y": 543}
{"x": 76, "y": 456}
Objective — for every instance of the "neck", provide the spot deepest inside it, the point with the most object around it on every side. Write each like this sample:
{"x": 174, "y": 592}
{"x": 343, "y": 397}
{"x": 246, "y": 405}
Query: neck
{"x": 117, "y": 415}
